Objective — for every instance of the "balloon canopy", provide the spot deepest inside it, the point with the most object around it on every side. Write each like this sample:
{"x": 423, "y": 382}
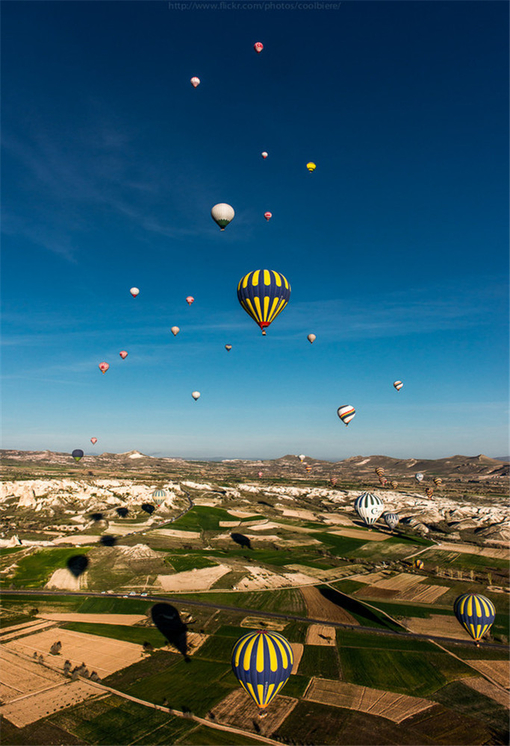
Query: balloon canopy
{"x": 262, "y": 663}
{"x": 263, "y": 294}
{"x": 222, "y": 214}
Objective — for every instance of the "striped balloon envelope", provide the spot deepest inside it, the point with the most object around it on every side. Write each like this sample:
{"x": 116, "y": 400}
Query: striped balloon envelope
{"x": 263, "y": 294}
{"x": 391, "y": 520}
{"x": 262, "y": 663}
{"x": 398, "y": 385}
{"x": 476, "y": 614}
{"x": 346, "y": 413}
{"x": 369, "y": 507}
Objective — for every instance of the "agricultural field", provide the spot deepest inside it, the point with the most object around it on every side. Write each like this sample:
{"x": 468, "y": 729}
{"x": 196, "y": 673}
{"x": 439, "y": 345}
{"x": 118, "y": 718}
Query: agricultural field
{"x": 35, "y": 570}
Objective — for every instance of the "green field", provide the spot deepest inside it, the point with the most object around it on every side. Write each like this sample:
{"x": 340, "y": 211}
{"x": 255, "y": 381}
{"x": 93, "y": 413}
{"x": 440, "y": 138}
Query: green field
{"x": 204, "y": 736}
{"x": 184, "y": 562}
{"x": 118, "y": 721}
{"x": 137, "y": 635}
{"x": 196, "y": 685}
{"x": 36, "y": 569}
{"x": 348, "y": 638}
{"x": 465, "y": 700}
{"x": 286, "y": 601}
{"x": 407, "y": 672}
{"x": 319, "y": 660}
{"x": 202, "y": 519}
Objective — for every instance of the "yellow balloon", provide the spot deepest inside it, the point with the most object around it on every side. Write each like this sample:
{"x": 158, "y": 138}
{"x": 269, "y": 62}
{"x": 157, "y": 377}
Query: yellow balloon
{"x": 311, "y": 166}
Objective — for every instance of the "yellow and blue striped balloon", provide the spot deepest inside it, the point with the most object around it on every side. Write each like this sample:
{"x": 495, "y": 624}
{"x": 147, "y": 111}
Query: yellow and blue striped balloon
{"x": 476, "y": 614}
{"x": 263, "y": 294}
{"x": 262, "y": 663}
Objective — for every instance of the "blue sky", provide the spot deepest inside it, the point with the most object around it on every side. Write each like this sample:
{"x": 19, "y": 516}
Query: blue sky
{"x": 395, "y": 247}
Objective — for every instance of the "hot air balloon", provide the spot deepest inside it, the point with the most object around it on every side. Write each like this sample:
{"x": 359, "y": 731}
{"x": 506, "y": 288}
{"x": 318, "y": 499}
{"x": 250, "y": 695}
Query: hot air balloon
{"x": 159, "y": 496}
{"x": 333, "y": 481}
{"x": 264, "y": 155}
{"x": 93, "y": 441}
{"x": 103, "y": 367}
{"x": 382, "y": 481}
{"x": 123, "y": 354}
{"x": 438, "y": 481}
{"x": 311, "y": 338}
{"x": 222, "y": 214}
{"x": 379, "y": 471}
{"x": 263, "y": 294}
{"x": 476, "y": 614}
{"x": 418, "y": 563}
{"x": 77, "y": 454}
{"x": 268, "y": 215}
{"x": 346, "y": 413}
{"x": 261, "y": 474}
{"x": 369, "y": 507}
{"x": 391, "y": 520}
{"x": 175, "y": 330}
{"x": 418, "y": 476}
{"x": 398, "y": 385}
{"x": 311, "y": 166}
{"x": 134, "y": 292}
{"x": 189, "y": 300}
{"x": 195, "y": 82}
{"x": 429, "y": 491}
{"x": 394, "y": 485}
{"x": 228, "y": 347}
{"x": 262, "y": 663}
{"x": 302, "y": 457}
{"x": 195, "y": 395}
{"x": 258, "y": 47}
{"x": 308, "y": 468}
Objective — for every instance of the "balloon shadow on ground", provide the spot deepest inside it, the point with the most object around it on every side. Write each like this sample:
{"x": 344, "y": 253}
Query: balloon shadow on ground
{"x": 243, "y": 541}
{"x": 122, "y": 512}
{"x": 148, "y": 508}
{"x": 107, "y": 540}
{"x": 96, "y": 516}
{"x": 166, "y": 618}
{"x": 356, "y": 608}
{"x": 77, "y": 564}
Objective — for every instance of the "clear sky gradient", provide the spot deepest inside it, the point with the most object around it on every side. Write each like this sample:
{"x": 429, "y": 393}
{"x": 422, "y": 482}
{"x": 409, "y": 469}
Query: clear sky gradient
{"x": 395, "y": 247}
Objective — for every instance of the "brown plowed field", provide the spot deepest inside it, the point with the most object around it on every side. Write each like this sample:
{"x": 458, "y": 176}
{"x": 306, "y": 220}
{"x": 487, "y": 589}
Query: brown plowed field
{"x": 320, "y": 634}
{"x": 485, "y": 687}
{"x": 239, "y": 710}
{"x": 319, "y": 607}
{"x": 442, "y": 624}
{"x": 297, "y": 649}
{"x": 395, "y": 707}
{"x": 497, "y": 670}
{"x": 38, "y": 705}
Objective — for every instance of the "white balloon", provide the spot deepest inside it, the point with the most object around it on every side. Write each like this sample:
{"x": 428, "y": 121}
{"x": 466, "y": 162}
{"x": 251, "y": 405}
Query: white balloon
{"x": 175, "y": 330}
{"x": 195, "y": 395}
{"x": 222, "y": 214}
{"x": 134, "y": 292}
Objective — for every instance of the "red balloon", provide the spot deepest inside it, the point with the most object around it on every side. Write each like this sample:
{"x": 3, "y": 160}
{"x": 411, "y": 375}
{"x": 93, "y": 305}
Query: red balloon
{"x": 123, "y": 354}
{"x": 258, "y": 47}
{"x": 268, "y": 215}
{"x": 103, "y": 367}
{"x": 93, "y": 441}
{"x": 189, "y": 300}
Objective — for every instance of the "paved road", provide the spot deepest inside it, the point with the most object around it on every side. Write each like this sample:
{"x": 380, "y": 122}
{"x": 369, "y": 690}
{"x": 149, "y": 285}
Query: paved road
{"x": 253, "y": 612}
